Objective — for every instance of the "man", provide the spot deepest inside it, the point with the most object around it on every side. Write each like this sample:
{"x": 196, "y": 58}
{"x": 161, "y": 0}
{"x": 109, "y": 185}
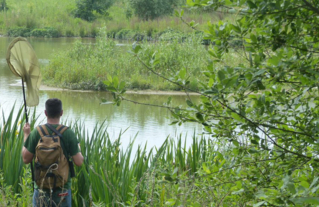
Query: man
{"x": 61, "y": 196}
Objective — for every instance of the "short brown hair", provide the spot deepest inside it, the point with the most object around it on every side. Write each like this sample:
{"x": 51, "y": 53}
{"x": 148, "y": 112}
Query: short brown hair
{"x": 53, "y": 107}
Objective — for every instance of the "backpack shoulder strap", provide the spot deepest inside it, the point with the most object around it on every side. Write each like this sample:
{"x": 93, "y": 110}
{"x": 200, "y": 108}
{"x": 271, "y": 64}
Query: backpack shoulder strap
{"x": 61, "y": 128}
{"x": 42, "y": 130}
{"x": 58, "y": 131}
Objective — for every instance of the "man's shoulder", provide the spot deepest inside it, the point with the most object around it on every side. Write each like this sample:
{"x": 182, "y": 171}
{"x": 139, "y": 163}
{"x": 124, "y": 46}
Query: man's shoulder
{"x": 69, "y": 133}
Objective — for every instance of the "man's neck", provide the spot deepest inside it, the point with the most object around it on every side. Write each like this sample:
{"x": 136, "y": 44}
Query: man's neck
{"x": 53, "y": 121}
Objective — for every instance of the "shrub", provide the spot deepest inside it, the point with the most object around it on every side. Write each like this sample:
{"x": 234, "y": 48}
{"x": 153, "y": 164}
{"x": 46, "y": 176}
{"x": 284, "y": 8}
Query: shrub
{"x": 45, "y": 32}
{"x": 83, "y": 32}
{"x": 124, "y": 34}
{"x": 69, "y": 33}
{"x": 152, "y": 9}
{"x": 19, "y": 31}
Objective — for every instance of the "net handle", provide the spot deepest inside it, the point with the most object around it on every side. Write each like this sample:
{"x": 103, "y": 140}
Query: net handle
{"x": 25, "y": 104}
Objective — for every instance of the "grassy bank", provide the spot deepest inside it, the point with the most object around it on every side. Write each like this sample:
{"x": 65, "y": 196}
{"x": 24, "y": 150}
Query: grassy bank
{"x": 207, "y": 173}
{"x": 54, "y": 19}
{"x": 111, "y": 176}
{"x": 87, "y": 66}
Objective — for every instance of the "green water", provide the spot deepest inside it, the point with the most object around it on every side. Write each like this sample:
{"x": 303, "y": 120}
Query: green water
{"x": 150, "y": 124}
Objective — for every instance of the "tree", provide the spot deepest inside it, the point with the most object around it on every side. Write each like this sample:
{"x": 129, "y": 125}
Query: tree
{"x": 266, "y": 105}
{"x": 3, "y": 6}
{"x": 86, "y": 8}
{"x": 152, "y": 9}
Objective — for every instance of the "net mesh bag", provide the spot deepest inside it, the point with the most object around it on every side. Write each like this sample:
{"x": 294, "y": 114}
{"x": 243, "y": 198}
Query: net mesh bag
{"x": 23, "y": 62}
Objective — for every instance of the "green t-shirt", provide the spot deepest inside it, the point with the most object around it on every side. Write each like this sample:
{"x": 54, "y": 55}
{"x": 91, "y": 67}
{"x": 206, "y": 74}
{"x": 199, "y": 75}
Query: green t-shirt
{"x": 70, "y": 144}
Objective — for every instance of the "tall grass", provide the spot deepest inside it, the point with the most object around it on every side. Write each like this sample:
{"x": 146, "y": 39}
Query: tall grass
{"x": 87, "y": 66}
{"x": 13, "y": 172}
{"x": 110, "y": 175}
{"x": 37, "y": 14}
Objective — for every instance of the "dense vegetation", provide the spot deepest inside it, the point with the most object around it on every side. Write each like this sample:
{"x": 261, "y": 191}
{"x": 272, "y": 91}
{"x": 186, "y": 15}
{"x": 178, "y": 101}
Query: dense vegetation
{"x": 83, "y": 18}
{"x": 112, "y": 176}
{"x": 265, "y": 106}
{"x": 88, "y": 66}
{"x": 260, "y": 114}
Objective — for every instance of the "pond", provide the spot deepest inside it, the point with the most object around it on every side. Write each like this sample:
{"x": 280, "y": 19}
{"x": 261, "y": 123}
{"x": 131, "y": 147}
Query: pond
{"x": 149, "y": 124}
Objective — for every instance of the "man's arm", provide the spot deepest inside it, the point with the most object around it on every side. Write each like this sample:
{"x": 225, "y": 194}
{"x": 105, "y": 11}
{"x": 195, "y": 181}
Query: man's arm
{"x": 78, "y": 159}
{"x": 26, "y": 155}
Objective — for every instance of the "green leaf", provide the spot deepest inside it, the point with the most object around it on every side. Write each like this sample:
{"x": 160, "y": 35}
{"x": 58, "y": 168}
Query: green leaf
{"x": 236, "y": 28}
{"x": 190, "y": 3}
{"x": 229, "y": 82}
{"x": 221, "y": 75}
{"x": 251, "y": 5}
{"x": 259, "y": 204}
{"x": 115, "y": 82}
{"x": 304, "y": 184}
{"x": 122, "y": 85}
{"x": 109, "y": 78}
{"x": 182, "y": 73}
{"x": 136, "y": 47}
{"x": 205, "y": 168}
{"x": 235, "y": 142}
{"x": 253, "y": 38}
{"x": 199, "y": 116}
{"x": 189, "y": 103}
{"x": 291, "y": 188}
{"x": 177, "y": 13}
{"x": 237, "y": 117}
{"x": 208, "y": 129}
{"x": 238, "y": 192}
{"x": 170, "y": 202}
{"x": 306, "y": 200}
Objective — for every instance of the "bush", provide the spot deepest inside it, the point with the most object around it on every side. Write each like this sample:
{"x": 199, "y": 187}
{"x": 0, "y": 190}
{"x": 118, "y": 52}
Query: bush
{"x": 83, "y": 32}
{"x": 139, "y": 36}
{"x": 69, "y": 33}
{"x": 19, "y": 31}
{"x": 46, "y": 32}
{"x": 124, "y": 34}
{"x": 152, "y": 9}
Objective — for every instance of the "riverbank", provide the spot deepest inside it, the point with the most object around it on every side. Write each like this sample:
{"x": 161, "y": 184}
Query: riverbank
{"x": 148, "y": 92}
{"x": 87, "y": 67}
{"x": 56, "y": 19}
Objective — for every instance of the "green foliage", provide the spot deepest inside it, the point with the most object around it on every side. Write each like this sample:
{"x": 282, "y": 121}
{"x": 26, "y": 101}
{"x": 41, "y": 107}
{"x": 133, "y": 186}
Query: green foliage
{"x": 152, "y": 9}
{"x": 264, "y": 106}
{"x": 26, "y": 32}
{"x": 59, "y": 14}
{"x": 19, "y": 31}
{"x": 204, "y": 172}
{"x": 86, "y": 8}
{"x": 124, "y": 34}
{"x": 88, "y": 65}
{"x": 3, "y": 5}
{"x": 45, "y": 32}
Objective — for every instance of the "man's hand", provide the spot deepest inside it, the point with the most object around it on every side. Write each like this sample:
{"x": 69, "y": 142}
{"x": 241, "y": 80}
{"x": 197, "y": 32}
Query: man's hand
{"x": 26, "y": 131}
{"x": 26, "y": 155}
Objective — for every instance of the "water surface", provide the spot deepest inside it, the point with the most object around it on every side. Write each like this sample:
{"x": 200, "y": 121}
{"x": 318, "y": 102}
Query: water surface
{"x": 149, "y": 124}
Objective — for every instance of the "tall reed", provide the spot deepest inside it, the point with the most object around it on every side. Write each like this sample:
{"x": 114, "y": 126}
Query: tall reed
{"x": 86, "y": 67}
{"x": 110, "y": 175}
{"x": 39, "y": 14}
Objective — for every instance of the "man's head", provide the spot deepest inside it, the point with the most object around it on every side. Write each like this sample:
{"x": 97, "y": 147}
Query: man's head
{"x": 53, "y": 108}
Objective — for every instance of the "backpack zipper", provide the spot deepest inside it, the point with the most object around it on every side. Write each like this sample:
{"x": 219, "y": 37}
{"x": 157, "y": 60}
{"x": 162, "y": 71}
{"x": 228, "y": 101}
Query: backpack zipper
{"x": 47, "y": 149}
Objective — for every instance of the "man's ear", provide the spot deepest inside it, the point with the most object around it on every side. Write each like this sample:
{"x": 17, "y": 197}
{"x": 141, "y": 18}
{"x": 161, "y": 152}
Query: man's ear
{"x": 45, "y": 112}
{"x": 61, "y": 113}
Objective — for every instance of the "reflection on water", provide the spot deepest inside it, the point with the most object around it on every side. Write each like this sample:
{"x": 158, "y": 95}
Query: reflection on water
{"x": 150, "y": 123}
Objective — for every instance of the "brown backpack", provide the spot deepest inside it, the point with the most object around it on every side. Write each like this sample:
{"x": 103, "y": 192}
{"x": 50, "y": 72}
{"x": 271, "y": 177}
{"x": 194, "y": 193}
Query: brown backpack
{"x": 51, "y": 165}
